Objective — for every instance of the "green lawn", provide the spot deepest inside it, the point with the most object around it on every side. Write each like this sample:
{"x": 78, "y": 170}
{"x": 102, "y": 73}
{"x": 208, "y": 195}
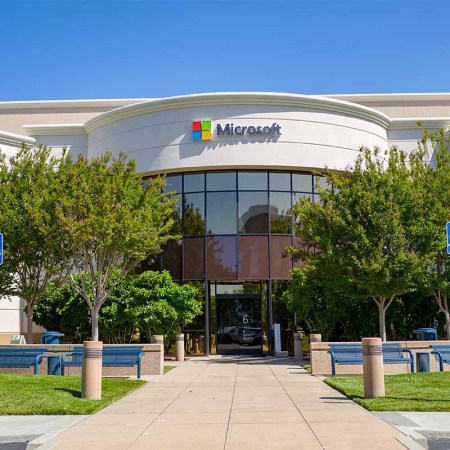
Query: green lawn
{"x": 30, "y": 395}
{"x": 409, "y": 392}
{"x": 168, "y": 369}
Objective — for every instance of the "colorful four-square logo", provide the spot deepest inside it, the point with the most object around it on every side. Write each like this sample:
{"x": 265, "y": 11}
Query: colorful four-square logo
{"x": 201, "y": 131}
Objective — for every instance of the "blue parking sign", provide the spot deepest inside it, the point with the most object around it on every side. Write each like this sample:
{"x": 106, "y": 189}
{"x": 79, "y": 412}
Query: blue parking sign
{"x": 448, "y": 238}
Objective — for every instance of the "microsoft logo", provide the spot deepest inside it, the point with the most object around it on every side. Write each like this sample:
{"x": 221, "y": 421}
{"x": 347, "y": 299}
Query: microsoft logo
{"x": 201, "y": 131}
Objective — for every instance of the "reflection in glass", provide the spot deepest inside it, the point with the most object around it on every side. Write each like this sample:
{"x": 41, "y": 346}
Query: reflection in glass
{"x": 239, "y": 328}
{"x": 298, "y": 244}
{"x": 221, "y": 257}
{"x": 322, "y": 182}
{"x": 171, "y": 259}
{"x": 194, "y": 182}
{"x": 194, "y": 214}
{"x": 221, "y": 212}
{"x": 297, "y": 196}
{"x": 280, "y": 212}
{"x": 253, "y": 212}
{"x": 221, "y": 181}
{"x": 253, "y": 257}
{"x": 194, "y": 258}
{"x": 280, "y": 262}
{"x": 302, "y": 182}
{"x": 252, "y": 181}
{"x": 174, "y": 183}
{"x": 177, "y": 216}
{"x": 279, "y": 181}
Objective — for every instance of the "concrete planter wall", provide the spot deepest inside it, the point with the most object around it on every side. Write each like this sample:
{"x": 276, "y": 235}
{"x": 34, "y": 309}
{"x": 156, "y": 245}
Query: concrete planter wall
{"x": 321, "y": 360}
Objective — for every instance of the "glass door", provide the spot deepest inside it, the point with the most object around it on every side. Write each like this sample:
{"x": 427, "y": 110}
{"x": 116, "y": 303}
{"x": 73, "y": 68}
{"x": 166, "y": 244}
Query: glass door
{"x": 239, "y": 329}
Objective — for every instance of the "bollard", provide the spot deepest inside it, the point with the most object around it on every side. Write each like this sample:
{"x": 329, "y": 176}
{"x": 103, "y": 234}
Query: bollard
{"x": 298, "y": 346}
{"x": 179, "y": 347}
{"x": 315, "y": 337}
{"x": 158, "y": 339}
{"x": 373, "y": 369}
{"x": 91, "y": 371}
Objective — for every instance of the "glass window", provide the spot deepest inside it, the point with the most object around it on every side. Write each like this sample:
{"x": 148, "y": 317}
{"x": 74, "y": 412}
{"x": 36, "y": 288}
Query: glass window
{"x": 322, "y": 182}
{"x": 221, "y": 257}
{"x": 302, "y": 182}
{"x": 221, "y": 181}
{"x": 174, "y": 183}
{"x": 221, "y": 212}
{"x": 194, "y": 182}
{"x": 279, "y": 181}
{"x": 253, "y": 212}
{"x": 297, "y": 196}
{"x": 253, "y": 257}
{"x": 177, "y": 216}
{"x": 171, "y": 259}
{"x": 194, "y": 214}
{"x": 194, "y": 258}
{"x": 280, "y": 212}
{"x": 252, "y": 181}
{"x": 280, "y": 262}
{"x": 298, "y": 243}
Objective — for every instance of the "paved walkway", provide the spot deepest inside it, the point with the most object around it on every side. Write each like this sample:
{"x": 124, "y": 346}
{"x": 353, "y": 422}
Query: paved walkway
{"x": 232, "y": 403}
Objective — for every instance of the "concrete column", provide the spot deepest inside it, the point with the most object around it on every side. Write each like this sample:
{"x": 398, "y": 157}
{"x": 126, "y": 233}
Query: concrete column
{"x": 91, "y": 371}
{"x": 270, "y": 317}
{"x": 207, "y": 331}
{"x": 373, "y": 369}
{"x": 180, "y": 347}
{"x": 315, "y": 338}
{"x": 298, "y": 347}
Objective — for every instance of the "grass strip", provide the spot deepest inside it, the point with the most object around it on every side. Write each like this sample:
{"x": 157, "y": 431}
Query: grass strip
{"x": 46, "y": 395}
{"x": 168, "y": 369}
{"x": 406, "y": 392}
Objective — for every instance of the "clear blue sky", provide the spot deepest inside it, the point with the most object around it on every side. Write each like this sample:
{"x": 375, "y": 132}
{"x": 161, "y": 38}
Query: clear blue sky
{"x": 113, "y": 49}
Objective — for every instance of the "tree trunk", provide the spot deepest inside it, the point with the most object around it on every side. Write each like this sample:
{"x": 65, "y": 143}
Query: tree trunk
{"x": 94, "y": 324}
{"x": 382, "y": 319}
{"x": 30, "y": 313}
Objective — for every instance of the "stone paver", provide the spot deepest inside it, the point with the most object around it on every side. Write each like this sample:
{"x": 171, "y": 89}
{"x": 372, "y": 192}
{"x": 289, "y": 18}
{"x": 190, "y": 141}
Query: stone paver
{"x": 232, "y": 403}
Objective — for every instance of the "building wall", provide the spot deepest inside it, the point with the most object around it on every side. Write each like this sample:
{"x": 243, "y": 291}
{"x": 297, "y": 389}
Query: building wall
{"x": 316, "y": 132}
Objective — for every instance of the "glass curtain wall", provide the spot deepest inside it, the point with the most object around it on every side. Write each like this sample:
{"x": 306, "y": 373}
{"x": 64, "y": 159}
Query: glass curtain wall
{"x": 235, "y": 225}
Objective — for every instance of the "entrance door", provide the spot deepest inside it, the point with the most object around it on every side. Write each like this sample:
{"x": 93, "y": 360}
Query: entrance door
{"x": 239, "y": 329}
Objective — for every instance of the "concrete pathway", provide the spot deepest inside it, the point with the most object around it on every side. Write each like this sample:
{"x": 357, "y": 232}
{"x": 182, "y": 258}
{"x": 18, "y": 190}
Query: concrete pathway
{"x": 23, "y": 429}
{"x": 429, "y": 429}
{"x": 232, "y": 403}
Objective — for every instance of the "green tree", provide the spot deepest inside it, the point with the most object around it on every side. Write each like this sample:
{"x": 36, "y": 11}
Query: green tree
{"x": 335, "y": 315}
{"x": 357, "y": 238}
{"x": 64, "y": 310}
{"x": 29, "y": 184}
{"x": 150, "y": 302}
{"x": 430, "y": 167}
{"x": 111, "y": 221}
{"x": 162, "y": 306}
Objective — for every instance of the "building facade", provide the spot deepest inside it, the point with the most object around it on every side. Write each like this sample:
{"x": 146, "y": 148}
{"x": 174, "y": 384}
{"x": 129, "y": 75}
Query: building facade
{"x": 238, "y": 161}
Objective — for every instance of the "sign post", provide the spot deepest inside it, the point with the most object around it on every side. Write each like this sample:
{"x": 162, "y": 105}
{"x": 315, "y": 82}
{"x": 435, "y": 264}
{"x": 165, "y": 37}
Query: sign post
{"x": 1, "y": 248}
{"x": 448, "y": 238}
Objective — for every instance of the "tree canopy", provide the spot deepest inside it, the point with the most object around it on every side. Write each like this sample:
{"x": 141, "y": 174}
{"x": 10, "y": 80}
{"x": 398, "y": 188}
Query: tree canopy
{"x": 29, "y": 184}
{"x": 111, "y": 220}
{"x": 357, "y": 238}
{"x": 150, "y": 302}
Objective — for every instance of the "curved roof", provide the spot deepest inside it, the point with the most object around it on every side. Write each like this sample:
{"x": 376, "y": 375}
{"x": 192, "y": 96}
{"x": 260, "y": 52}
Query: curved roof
{"x": 239, "y": 98}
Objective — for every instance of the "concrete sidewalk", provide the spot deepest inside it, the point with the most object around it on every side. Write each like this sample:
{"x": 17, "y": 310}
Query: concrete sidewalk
{"x": 232, "y": 403}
